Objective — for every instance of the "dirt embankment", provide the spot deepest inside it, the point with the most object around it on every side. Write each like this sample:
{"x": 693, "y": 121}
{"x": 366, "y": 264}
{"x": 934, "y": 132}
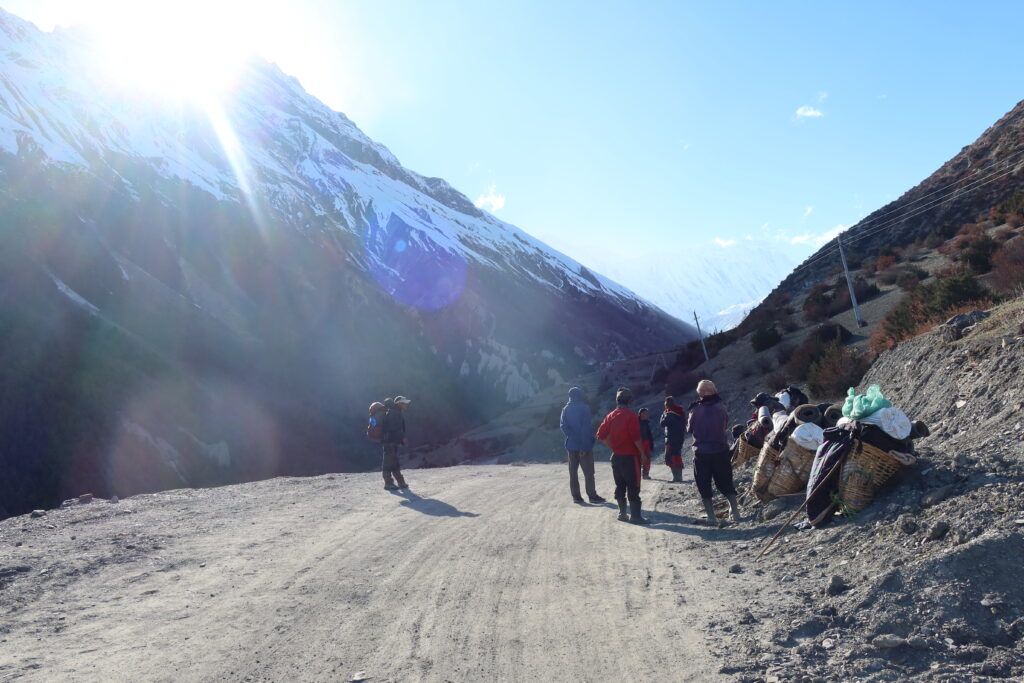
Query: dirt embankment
{"x": 929, "y": 576}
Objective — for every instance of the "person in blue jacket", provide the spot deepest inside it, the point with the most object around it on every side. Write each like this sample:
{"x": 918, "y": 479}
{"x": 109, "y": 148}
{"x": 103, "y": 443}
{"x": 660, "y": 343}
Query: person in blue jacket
{"x": 577, "y": 425}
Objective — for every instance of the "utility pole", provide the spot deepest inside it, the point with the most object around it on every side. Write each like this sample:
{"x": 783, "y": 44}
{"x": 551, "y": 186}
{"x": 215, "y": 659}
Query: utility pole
{"x": 706, "y": 357}
{"x": 849, "y": 283}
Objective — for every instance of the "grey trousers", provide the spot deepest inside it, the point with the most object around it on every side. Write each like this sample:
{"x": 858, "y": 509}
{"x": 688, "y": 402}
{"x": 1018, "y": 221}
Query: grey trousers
{"x": 390, "y": 467}
{"x": 584, "y": 459}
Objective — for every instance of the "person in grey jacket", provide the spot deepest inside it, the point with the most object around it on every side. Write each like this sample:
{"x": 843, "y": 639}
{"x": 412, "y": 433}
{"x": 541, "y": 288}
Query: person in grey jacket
{"x": 577, "y": 425}
{"x": 708, "y": 423}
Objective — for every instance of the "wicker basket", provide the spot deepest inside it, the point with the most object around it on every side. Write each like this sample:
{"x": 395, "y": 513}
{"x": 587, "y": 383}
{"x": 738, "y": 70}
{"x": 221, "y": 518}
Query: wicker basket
{"x": 793, "y": 471}
{"x": 743, "y": 452}
{"x": 866, "y": 470}
{"x": 767, "y": 461}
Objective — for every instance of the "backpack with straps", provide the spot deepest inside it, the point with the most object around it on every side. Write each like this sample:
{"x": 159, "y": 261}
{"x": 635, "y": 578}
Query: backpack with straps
{"x": 375, "y": 424}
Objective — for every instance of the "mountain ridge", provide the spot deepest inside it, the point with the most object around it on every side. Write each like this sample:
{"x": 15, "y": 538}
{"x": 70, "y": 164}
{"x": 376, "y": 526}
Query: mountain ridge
{"x": 235, "y": 285}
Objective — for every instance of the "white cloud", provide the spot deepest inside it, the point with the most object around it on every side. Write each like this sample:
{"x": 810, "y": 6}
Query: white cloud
{"x": 491, "y": 201}
{"x": 822, "y": 96}
{"x": 808, "y": 211}
{"x": 724, "y": 243}
{"x": 817, "y": 239}
{"x": 808, "y": 112}
{"x": 829, "y": 235}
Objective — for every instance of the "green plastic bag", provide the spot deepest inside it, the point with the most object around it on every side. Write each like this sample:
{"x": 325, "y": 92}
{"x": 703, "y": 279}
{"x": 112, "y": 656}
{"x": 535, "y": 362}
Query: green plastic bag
{"x": 859, "y": 406}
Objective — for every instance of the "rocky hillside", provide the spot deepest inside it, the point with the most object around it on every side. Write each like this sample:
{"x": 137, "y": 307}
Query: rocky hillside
{"x": 198, "y": 295}
{"x": 983, "y": 175}
{"x": 924, "y": 582}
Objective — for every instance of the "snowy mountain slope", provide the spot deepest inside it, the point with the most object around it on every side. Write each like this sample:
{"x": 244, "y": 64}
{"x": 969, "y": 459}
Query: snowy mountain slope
{"x": 251, "y": 275}
{"x": 720, "y": 283}
{"x": 269, "y": 137}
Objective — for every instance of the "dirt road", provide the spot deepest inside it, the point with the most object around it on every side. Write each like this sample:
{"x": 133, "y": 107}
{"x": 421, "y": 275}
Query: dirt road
{"x": 478, "y": 573}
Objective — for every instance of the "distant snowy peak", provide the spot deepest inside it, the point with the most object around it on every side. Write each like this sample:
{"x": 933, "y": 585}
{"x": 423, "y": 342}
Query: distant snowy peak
{"x": 269, "y": 139}
{"x": 721, "y": 284}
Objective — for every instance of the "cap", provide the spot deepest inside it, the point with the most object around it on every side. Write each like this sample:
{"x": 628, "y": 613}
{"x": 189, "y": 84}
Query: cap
{"x": 402, "y": 400}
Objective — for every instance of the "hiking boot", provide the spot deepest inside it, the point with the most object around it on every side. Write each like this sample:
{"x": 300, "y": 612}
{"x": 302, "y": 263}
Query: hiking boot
{"x": 597, "y": 499}
{"x": 709, "y": 509}
{"x": 636, "y": 516}
{"x": 578, "y": 501}
{"x": 646, "y": 476}
{"x": 623, "y": 515}
{"x": 390, "y": 487}
{"x": 734, "y": 509}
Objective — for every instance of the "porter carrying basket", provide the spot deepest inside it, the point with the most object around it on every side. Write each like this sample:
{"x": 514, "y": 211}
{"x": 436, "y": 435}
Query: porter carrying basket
{"x": 866, "y": 470}
{"x": 767, "y": 461}
{"x": 743, "y": 452}
{"x": 792, "y": 472}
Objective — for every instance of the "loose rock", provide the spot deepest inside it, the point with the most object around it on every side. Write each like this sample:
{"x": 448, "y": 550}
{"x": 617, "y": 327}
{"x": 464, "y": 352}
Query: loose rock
{"x": 888, "y": 640}
{"x": 938, "y": 531}
{"x": 936, "y": 496}
{"x": 37, "y": 513}
{"x": 836, "y": 585}
{"x": 906, "y": 523}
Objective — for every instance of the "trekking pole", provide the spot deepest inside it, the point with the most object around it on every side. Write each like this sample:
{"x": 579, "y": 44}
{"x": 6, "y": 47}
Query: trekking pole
{"x": 798, "y": 511}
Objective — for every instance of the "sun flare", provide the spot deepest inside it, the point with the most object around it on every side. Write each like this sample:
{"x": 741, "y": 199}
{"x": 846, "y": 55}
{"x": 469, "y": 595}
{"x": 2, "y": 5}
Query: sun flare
{"x": 180, "y": 50}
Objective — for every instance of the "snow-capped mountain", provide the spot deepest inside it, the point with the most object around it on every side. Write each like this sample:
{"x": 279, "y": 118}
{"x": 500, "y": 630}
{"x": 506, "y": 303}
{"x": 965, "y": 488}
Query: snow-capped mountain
{"x": 243, "y": 279}
{"x": 721, "y": 283}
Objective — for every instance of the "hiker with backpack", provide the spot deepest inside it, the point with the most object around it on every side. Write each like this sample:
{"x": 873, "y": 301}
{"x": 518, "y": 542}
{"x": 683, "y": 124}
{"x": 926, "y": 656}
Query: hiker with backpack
{"x": 392, "y": 437}
{"x": 708, "y": 423}
{"x": 673, "y": 423}
{"x": 620, "y": 432}
{"x": 577, "y": 424}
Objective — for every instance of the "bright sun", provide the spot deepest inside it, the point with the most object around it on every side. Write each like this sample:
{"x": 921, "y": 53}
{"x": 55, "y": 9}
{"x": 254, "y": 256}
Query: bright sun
{"x": 183, "y": 50}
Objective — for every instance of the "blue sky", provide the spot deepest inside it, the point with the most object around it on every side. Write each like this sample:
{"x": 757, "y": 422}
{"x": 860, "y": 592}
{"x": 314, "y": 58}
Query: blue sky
{"x": 609, "y": 128}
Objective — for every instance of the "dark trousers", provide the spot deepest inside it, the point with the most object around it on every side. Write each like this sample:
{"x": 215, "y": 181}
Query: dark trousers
{"x": 626, "y": 471}
{"x": 584, "y": 459}
{"x": 390, "y": 467}
{"x": 717, "y": 467}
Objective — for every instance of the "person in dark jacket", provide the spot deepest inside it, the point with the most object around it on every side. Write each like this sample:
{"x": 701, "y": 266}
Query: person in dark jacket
{"x": 620, "y": 432}
{"x": 648, "y": 440}
{"x": 577, "y": 425}
{"x": 392, "y": 437}
{"x": 673, "y": 424}
{"x": 708, "y": 423}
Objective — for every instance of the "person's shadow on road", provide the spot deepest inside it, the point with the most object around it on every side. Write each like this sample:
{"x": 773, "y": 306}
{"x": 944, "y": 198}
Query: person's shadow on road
{"x": 431, "y": 506}
{"x": 666, "y": 521}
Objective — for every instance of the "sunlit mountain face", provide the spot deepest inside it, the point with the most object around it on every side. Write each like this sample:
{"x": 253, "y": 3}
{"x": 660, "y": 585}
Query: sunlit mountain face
{"x": 203, "y": 291}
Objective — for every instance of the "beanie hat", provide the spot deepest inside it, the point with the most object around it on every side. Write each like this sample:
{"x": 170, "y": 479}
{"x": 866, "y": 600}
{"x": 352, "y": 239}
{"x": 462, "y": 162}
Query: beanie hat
{"x": 623, "y": 395}
{"x": 706, "y": 387}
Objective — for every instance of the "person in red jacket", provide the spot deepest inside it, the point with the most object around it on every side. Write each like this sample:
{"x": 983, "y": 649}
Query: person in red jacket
{"x": 620, "y": 432}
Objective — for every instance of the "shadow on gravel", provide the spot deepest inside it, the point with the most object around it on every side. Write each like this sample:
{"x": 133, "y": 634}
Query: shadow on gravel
{"x": 431, "y": 506}
{"x": 666, "y": 521}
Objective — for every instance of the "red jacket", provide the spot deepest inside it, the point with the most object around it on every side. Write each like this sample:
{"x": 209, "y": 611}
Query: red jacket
{"x": 621, "y": 429}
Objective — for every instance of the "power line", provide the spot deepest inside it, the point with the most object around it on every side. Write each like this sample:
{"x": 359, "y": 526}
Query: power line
{"x": 976, "y": 183}
{"x": 863, "y": 234}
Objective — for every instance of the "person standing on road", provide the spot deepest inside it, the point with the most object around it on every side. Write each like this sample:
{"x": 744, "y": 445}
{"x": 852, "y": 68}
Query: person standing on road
{"x": 577, "y": 425}
{"x": 647, "y": 437}
{"x": 708, "y": 423}
{"x": 673, "y": 423}
{"x": 620, "y": 432}
{"x": 392, "y": 437}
